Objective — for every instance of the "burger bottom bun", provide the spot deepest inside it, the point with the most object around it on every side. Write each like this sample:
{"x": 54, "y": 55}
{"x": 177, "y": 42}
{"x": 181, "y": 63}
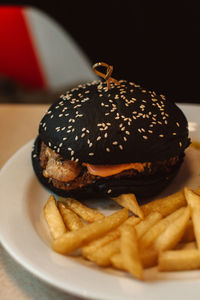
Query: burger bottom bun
{"x": 142, "y": 186}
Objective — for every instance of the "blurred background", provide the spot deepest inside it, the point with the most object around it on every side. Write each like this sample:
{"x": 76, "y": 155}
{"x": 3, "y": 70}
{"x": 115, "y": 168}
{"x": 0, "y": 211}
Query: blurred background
{"x": 47, "y": 47}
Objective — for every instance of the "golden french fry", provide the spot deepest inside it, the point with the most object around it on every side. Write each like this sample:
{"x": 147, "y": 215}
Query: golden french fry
{"x": 103, "y": 255}
{"x": 194, "y": 202}
{"x": 75, "y": 239}
{"x": 71, "y": 220}
{"x": 148, "y": 257}
{"x": 129, "y": 201}
{"x": 133, "y": 221}
{"x": 147, "y": 223}
{"x": 184, "y": 246}
{"x": 86, "y": 213}
{"x": 177, "y": 260}
{"x": 149, "y": 237}
{"x": 95, "y": 245}
{"x": 109, "y": 237}
{"x": 166, "y": 205}
{"x": 52, "y": 215}
{"x": 173, "y": 233}
{"x": 117, "y": 261}
{"x": 130, "y": 251}
{"x": 188, "y": 235}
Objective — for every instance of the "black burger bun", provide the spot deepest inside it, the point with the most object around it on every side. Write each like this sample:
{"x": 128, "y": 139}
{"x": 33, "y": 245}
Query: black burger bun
{"x": 121, "y": 125}
{"x": 124, "y": 124}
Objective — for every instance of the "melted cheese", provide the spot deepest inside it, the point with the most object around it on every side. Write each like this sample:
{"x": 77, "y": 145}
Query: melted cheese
{"x": 109, "y": 170}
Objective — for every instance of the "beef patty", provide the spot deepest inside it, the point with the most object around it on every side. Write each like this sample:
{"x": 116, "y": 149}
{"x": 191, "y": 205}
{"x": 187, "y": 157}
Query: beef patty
{"x": 69, "y": 175}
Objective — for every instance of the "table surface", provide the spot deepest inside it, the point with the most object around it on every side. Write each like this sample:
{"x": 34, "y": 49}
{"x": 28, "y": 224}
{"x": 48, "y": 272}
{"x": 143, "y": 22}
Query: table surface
{"x": 19, "y": 124}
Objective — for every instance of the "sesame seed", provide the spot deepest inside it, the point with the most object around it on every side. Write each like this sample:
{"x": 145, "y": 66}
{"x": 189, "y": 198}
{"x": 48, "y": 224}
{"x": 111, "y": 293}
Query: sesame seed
{"x": 127, "y": 132}
{"x": 120, "y": 147}
{"x": 145, "y": 137}
{"x": 91, "y": 154}
{"x": 115, "y": 143}
{"x": 109, "y": 191}
{"x": 108, "y": 149}
{"x": 161, "y": 135}
{"x": 98, "y": 138}
{"x": 178, "y": 125}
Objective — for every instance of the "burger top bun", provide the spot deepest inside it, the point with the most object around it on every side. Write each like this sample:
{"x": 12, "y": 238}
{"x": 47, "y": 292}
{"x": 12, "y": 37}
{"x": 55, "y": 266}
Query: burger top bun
{"x": 114, "y": 122}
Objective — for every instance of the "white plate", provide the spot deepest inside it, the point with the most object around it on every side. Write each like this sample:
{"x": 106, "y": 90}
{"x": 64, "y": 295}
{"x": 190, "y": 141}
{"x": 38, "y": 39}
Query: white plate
{"x": 24, "y": 234}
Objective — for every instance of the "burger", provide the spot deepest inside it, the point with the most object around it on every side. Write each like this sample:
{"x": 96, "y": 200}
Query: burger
{"x": 108, "y": 137}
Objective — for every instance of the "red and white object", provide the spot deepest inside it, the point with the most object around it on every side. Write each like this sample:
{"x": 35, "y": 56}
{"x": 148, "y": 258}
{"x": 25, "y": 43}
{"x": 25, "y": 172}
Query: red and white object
{"x": 36, "y": 52}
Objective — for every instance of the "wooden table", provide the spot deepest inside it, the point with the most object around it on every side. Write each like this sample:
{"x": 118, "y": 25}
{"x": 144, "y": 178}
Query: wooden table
{"x": 19, "y": 124}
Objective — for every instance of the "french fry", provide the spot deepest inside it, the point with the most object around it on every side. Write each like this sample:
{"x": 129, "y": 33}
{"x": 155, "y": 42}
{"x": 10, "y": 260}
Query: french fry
{"x": 147, "y": 223}
{"x": 95, "y": 245}
{"x": 117, "y": 261}
{"x": 71, "y": 220}
{"x": 149, "y": 237}
{"x": 75, "y": 239}
{"x": 86, "y": 213}
{"x": 194, "y": 202}
{"x": 166, "y": 205}
{"x": 103, "y": 255}
{"x": 173, "y": 233}
{"x": 177, "y": 260}
{"x": 130, "y": 251}
{"x": 184, "y": 246}
{"x": 149, "y": 258}
{"x": 129, "y": 201}
{"x": 133, "y": 221}
{"x": 188, "y": 235}
{"x": 52, "y": 215}
{"x": 109, "y": 237}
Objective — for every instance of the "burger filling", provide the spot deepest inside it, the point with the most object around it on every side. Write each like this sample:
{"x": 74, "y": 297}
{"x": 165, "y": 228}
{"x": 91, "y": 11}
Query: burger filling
{"x": 68, "y": 175}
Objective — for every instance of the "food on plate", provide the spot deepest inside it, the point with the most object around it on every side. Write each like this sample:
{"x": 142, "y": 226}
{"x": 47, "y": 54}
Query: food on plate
{"x": 129, "y": 201}
{"x": 174, "y": 233}
{"x": 72, "y": 220}
{"x": 76, "y": 239}
{"x": 106, "y": 138}
{"x": 166, "y": 205}
{"x": 194, "y": 203}
{"x": 54, "y": 219}
{"x": 155, "y": 231}
{"x": 177, "y": 260}
{"x": 129, "y": 249}
{"x": 86, "y": 213}
{"x": 128, "y": 243}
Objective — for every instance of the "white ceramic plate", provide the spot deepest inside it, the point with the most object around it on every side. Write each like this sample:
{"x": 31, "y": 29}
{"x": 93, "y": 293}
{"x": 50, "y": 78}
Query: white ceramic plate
{"x": 24, "y": 234}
